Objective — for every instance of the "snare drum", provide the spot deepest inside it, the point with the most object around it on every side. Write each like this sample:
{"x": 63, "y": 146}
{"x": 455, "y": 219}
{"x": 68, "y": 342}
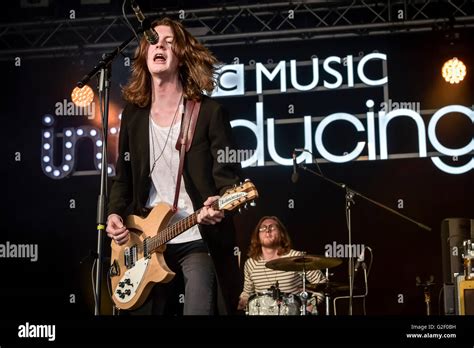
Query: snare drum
{"x": 265, "y": 304}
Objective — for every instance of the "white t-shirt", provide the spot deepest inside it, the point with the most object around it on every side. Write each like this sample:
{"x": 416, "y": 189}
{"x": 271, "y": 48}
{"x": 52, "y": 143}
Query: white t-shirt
{"x": 165, "y": 159}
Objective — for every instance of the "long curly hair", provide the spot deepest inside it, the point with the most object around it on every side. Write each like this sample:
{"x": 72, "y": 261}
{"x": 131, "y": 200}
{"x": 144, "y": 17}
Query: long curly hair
{"x": 255, "y": 249}
{"x": 196, "y": 70}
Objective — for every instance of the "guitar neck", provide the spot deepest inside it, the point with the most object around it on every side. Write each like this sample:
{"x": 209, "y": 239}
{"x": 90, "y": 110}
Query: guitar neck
{"x": 175, "y": 229}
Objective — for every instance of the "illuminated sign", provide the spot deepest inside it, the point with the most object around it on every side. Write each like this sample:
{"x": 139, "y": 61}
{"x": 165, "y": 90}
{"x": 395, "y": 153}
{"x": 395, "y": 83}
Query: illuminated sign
{"x": 348, "y": 69}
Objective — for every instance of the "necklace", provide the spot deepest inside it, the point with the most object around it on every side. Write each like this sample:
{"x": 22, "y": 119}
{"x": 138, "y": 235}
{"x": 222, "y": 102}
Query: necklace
{"x": 269, "y": 274}
{"x": 153, "y": 135}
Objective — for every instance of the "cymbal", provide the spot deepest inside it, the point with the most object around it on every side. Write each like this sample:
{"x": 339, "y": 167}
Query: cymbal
{"x": 300, "y": 263}
{"x": 328, "y": 287}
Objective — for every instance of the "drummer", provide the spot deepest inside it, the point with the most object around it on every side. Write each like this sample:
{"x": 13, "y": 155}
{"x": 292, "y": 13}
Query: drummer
{"x": 270, "y": 241}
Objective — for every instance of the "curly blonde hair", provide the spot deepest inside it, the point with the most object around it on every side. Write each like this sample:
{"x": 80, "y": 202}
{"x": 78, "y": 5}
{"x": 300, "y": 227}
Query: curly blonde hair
{"x": 196, "y": 70}
{"x": 255, "y": 249}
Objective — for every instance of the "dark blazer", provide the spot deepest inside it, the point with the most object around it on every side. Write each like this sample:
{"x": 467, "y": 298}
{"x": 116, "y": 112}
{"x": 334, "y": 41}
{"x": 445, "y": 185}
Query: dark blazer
{"x": 203, "y": 177}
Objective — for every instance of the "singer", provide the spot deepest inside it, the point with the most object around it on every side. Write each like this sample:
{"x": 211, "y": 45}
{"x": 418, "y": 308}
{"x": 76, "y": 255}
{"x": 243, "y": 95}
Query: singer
{"x": 165, "y": 76}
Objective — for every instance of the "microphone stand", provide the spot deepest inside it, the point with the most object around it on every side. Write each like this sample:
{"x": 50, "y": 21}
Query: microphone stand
{"x": 350, "y": 194}
{"x": 104, "y": 69}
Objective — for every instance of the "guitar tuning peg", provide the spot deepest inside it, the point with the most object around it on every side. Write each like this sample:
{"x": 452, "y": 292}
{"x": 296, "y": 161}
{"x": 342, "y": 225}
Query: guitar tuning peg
{"x": 241, "y": 183}
{"x": 247, "y": 180}
{"x": 240, "y": 210}
{"x": 246, "y": 206}
{"x": 253, "y": 204}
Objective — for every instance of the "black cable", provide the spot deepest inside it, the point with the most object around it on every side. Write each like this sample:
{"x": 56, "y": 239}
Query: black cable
{"x": 128, "y": 22}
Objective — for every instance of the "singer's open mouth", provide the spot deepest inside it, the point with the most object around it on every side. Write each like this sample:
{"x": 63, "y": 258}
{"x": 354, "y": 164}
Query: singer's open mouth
{"x": 159, "y": 57}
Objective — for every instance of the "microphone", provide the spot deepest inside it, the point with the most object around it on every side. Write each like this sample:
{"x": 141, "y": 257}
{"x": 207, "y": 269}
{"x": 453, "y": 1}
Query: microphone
{"x": 150, "y": 34}
{"x": 360, "y": 260}
{"x": 295, "y": 175}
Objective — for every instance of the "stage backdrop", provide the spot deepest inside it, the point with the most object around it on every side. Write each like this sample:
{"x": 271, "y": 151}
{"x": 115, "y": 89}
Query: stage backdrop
{"x": 374, "y": 111}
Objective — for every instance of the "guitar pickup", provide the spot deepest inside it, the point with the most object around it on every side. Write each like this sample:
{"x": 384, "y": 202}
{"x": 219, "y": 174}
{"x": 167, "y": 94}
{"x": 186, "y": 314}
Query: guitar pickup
{"x": 130, "y": 256}
{"x": 145, "y": 248}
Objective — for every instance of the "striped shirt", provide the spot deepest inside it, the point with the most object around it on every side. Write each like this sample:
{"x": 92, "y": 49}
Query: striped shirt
{"x": 258, "y": 278}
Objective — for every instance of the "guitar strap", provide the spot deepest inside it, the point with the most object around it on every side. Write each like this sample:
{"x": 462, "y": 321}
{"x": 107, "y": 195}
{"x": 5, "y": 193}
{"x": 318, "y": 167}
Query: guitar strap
{"x": 185, "y": 139}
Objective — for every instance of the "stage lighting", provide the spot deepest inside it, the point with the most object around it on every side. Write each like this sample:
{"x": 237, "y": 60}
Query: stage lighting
{"x": 453, "y": 70}
{"x": 82, "y": 97}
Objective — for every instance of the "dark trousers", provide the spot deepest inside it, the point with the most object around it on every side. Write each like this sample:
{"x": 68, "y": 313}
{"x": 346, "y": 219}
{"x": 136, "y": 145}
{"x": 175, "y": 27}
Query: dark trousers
{"x": 194, "y": 266}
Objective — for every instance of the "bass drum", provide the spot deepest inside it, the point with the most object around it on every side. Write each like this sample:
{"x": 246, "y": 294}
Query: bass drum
{"x": 265, "y": 304}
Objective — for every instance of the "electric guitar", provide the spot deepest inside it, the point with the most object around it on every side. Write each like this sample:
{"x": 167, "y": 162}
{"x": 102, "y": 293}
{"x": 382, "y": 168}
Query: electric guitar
{"x": 138, "y": 265}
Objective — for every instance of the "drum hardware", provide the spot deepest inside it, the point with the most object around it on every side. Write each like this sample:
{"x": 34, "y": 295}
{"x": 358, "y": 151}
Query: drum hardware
{"x": 327, "y": 298}
{"x": 426, "y": 291}
{"x": 349, "y": 199}
{"x": 303, "y": 264}
{"x": 276, "y": 295}
{"x": 306, "y": 262}
{"x": 262, "y": 303}
{"x": 303, "y": 294}
{"x": 328, "y": 287}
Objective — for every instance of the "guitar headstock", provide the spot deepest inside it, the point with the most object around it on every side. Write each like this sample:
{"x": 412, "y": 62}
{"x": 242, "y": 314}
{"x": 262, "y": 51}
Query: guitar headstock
{"x": 237, "y": 196}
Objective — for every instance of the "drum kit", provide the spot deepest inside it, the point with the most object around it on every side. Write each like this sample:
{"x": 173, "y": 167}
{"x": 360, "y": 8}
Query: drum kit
{"x": 273, "y": 302}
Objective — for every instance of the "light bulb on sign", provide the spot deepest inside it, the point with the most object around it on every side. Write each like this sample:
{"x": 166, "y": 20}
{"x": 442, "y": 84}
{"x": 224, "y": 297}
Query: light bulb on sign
{"x": 82, "y": 97}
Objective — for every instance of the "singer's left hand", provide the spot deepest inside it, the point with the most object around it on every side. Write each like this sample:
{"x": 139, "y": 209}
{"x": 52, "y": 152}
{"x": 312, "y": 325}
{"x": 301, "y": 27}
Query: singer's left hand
{"x": 209, "y": 216}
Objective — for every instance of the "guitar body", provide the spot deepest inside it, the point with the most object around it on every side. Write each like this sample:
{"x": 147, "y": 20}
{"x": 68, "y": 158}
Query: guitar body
{"x": 139, "y": 264}
{"x": 133, "y": 280}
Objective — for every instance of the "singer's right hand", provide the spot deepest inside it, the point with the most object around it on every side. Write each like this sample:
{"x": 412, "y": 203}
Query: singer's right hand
{"x": 116, "y": 229}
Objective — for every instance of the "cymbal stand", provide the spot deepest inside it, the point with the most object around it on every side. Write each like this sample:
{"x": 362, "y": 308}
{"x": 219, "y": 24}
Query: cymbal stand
{"x": 304, "y": 293}
{"x": 349, "y": 198}
{"x": 327, "y": 294}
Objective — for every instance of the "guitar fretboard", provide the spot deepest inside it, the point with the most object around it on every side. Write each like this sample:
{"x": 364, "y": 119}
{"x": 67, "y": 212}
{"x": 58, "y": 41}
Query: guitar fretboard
{"x": 175, "y": 229}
